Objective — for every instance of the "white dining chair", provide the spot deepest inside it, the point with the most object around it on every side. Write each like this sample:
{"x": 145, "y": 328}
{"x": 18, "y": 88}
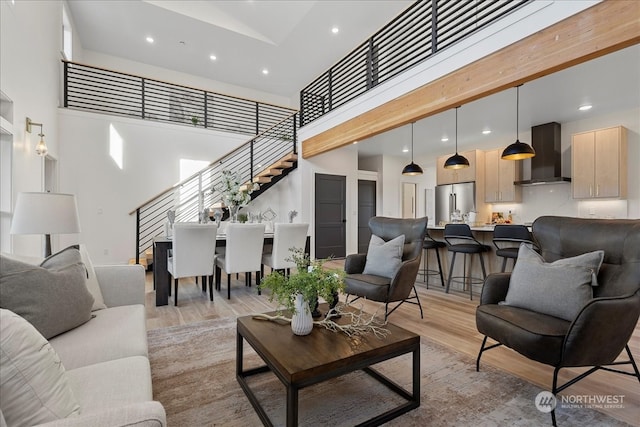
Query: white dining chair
{"x": 285, "y": 238}
{"x": 243, "y": 253}
{"x": 192, "y": 254}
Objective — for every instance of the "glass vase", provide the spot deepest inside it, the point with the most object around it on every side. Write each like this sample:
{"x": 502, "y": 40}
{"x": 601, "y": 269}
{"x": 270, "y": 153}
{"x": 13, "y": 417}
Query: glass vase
{"x": 233, "y": 212}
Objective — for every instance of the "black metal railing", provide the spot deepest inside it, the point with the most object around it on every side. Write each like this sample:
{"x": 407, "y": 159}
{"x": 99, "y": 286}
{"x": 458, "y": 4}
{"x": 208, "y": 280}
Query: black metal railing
{"x": 192, "y": 195}
{"x": 422, "y": 30}
{"x": 111, "y": 92}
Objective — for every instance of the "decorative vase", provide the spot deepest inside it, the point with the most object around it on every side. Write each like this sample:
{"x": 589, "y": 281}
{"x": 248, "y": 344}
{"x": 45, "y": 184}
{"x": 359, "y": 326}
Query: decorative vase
{"x": 301, "y": 321}
{"x": 233, "y": 212}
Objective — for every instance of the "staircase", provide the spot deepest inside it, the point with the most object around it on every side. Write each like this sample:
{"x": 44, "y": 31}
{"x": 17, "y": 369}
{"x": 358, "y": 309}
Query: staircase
{"x": 265, "y": 159}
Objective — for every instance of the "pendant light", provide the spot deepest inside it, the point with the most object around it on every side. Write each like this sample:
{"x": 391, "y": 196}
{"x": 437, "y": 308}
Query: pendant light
{"x": 456, "y": 161}
{"x": 518, "y": 150}
{"x": 412, "y": 168}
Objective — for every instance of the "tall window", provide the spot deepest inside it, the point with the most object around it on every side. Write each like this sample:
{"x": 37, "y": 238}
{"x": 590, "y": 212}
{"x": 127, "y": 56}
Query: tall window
{"x": 67, "y": 36}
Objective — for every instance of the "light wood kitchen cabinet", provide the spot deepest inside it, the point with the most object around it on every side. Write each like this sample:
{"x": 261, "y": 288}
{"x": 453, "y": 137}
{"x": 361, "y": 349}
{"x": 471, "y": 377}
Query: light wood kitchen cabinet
{"x": 474, "y": 172}
{"x": 499, "y": 177}
{"x": 599, "y": 163}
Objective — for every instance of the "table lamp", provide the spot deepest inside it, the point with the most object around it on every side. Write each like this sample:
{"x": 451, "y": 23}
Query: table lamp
{"x": 45, "y": 213}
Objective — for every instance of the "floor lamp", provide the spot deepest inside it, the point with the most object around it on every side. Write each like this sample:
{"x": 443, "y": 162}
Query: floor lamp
{"x": 45, "y": 213}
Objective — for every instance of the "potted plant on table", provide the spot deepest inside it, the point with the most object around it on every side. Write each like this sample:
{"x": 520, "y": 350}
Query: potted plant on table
{"x": 299, "y": 290}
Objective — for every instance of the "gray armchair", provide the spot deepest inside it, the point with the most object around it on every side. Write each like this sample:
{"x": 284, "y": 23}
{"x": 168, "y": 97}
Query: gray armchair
{"x": 399, "y": 287}
{"x": 602, "y": 328}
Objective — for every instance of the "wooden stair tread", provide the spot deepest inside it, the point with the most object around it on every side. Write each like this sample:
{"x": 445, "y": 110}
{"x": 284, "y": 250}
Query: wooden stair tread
{"x": 270, "y": 172}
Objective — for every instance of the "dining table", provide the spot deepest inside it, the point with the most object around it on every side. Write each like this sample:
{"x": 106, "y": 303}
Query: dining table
{"x": 161, "y": 247}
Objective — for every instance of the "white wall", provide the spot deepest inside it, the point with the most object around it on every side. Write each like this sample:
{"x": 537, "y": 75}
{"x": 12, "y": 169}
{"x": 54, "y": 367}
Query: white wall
{"x": 282, "y": 198}
{"x": 97, "y": 59}
{"x": 30, "y": 44}
{"x": 151, "y": 164}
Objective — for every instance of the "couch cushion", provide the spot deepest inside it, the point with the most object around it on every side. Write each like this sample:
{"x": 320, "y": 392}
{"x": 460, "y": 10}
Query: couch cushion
{"x": 53, "y": 297}
{"x": 384, "y": 258}
{"x": 113, "y": 333}
{"x": 535, "y": 335}
{"x": 559, "y": 289}
{"x": 34, "y": 387}
{"x": 111, "y": 384}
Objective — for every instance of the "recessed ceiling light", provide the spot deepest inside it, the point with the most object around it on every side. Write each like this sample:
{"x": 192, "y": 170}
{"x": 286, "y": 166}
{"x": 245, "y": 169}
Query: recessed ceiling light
{"x": 486, "y": 131}
{"x": 213, "y": 57}
{"x": 265, "y": 71}
{"x": 585, "y": 107}
{"x": 405, "y": 150}
{"x": 335, "y": 30}
{"x": 150, "y": 39}
{"x": 355, "y": 142}
{"x": 444, "y": 139}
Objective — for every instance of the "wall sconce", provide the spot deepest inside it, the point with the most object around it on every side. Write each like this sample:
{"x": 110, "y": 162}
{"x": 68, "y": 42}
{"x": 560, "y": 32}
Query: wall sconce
{"x": 41, "y": 148}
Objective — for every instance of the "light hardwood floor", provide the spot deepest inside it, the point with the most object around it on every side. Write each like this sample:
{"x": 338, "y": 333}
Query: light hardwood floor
{"x": 449, "y": 319}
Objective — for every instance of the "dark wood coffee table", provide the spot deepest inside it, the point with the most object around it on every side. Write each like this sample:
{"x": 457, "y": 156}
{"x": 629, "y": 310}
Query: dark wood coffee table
{"x": 300, "y": 362}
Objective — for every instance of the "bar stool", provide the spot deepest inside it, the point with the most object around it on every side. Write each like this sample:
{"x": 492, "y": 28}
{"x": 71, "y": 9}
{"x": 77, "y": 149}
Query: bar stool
{"x": 510, "y": 234}
{"x": 431, "y": 243}
{"x": 462, "y": 233}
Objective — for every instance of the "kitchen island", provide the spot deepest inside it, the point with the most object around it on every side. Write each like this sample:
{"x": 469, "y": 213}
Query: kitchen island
{"x": 484, "y": 234}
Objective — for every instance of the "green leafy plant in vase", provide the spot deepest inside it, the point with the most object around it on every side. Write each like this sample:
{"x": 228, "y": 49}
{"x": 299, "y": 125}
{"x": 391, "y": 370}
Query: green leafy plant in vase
{"x": 311, "y": 281}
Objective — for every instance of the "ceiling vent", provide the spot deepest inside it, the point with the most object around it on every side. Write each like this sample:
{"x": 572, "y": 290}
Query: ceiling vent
{"x": 546, "y": 165}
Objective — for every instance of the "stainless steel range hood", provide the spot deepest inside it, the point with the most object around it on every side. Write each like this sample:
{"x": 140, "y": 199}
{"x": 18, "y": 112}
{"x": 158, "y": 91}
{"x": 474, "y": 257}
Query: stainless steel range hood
{"x": 546, "y": 165}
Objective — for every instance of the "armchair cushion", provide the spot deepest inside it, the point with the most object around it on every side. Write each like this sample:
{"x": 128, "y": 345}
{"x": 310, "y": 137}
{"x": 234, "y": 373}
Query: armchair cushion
{"x": 558, "y": 289}
{"x": 384, "y": 258}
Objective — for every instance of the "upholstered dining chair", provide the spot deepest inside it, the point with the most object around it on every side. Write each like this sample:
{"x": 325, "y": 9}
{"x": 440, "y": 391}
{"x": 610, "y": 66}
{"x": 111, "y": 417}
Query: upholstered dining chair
{"x": 387, "y": 272}
{"x": 243, "y": 253}
{"x": 551, "y": 310}
{"x": 192, "y": 254}
{"x": 285, "y": 237}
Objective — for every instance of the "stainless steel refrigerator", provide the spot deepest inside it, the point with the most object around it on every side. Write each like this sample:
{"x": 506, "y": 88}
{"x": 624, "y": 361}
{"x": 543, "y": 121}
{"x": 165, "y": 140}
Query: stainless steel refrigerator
{"x": 450, "y": 197}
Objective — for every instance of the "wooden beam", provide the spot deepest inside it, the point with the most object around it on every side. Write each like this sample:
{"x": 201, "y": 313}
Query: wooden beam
{"x": 604, "y": 28}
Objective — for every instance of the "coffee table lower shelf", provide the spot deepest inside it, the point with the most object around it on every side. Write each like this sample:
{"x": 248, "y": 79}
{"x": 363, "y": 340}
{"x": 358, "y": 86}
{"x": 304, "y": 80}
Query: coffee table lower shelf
{"x": 262, "y": 341}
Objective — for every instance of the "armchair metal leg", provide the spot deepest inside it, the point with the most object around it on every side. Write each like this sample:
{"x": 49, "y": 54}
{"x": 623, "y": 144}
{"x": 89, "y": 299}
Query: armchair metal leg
{"x": 483, "y": 349}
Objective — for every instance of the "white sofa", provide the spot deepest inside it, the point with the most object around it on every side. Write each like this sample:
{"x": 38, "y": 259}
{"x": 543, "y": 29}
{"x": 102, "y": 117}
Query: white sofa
{"x": 106, "y": 359}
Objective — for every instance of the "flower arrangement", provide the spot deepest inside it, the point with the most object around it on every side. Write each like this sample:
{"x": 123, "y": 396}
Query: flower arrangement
{"x": 310, "y": 280}
{"x": 229, "y": 187}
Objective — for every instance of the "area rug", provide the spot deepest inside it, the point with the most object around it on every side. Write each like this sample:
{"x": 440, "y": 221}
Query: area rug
{"x": 193, "y": 373}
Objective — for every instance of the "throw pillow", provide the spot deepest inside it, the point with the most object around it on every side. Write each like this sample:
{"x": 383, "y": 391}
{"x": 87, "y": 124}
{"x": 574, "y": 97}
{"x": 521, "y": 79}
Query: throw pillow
{"x": 384, "y": 258}
{"x": 92, "y": 281}
{"x": 559, "y": 289}
{"x": 33, "y": 381}
{"x": 53, "y": 297}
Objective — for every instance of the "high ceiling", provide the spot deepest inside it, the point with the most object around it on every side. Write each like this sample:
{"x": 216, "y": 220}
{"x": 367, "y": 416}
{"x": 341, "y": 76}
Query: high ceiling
{"x": 292, "y": 39}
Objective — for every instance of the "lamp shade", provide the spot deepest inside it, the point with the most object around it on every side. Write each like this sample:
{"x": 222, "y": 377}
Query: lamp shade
{"x": 412, "y": 169}
{"x": 518, "y": 151}
{"x": 456, "y": 162}
{"x": 45, "y": 213}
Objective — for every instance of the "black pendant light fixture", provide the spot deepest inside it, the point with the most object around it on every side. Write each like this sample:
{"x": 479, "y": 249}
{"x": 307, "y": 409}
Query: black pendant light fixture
{"x": 456, "y": 161}
{"x": 412, "y": 168}
{"x": 518, "y": 150}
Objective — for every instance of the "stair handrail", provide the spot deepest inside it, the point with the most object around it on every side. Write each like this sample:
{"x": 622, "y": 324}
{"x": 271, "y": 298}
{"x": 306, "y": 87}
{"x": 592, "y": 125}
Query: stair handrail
{"x": 212, "y": 164}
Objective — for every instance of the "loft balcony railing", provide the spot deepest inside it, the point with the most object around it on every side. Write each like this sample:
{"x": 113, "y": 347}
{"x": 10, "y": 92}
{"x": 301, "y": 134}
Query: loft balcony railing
{"x": 424, "y": 29}
{"x": 194, "y": 194}
{"x": 112, "y": 92}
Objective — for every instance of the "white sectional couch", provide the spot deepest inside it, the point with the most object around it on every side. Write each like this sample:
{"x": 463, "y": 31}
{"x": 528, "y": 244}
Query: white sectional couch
{"x": 106, "y": 359}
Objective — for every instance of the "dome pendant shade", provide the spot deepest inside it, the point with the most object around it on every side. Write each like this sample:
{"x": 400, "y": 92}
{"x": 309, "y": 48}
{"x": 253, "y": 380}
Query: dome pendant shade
{"x": 412, "y": 169}
{"x": 456, "y": 161}
{"x": 518, "y": 151}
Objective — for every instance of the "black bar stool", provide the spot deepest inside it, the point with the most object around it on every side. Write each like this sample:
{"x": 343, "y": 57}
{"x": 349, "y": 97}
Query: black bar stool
{"x": 509, "y": 234}
{"x": 431, "y": 243}
{"x": 462, "y": 233}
